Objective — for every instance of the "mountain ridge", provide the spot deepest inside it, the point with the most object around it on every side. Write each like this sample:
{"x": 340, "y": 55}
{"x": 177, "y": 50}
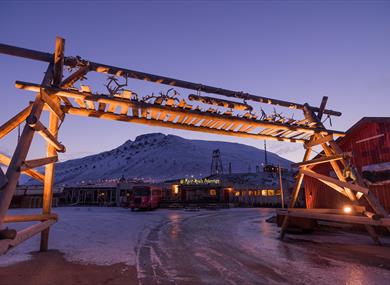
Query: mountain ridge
{"x": 158, "y": 157}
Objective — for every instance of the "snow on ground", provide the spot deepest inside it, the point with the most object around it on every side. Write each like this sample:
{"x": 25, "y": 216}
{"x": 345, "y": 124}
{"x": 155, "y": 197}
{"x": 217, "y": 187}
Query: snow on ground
{"x": 89, "y": 234}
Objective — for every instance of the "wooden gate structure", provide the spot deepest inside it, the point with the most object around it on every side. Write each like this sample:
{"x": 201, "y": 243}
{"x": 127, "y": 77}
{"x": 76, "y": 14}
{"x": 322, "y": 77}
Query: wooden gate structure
{"x": 60, "y": 97}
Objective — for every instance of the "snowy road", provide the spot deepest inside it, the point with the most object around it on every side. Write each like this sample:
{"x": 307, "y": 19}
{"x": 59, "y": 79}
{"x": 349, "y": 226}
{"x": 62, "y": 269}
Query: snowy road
{"x": 239, "y": 247}
{"x": 232, "y": 246}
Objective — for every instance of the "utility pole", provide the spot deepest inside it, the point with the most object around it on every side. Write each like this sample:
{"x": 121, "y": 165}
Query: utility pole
{"x": 281, "y": 186}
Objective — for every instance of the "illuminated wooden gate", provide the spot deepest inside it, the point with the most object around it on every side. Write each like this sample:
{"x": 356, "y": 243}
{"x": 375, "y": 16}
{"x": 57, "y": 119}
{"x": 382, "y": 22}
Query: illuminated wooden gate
{"x": 59, "y": 97}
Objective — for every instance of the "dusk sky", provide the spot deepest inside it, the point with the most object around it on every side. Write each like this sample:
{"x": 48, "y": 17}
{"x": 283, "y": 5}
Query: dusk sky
{"x": 296, "y": 51}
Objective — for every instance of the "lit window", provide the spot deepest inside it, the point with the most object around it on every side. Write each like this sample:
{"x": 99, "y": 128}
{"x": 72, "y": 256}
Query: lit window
{"x": 271, "y": 193}
{"x": 175, "y": 189}
{"x": 264, "y": 192}
{"x": 237, "y": 193}
{"x": 250, "y": 193}
{"x": 213, "y": 192}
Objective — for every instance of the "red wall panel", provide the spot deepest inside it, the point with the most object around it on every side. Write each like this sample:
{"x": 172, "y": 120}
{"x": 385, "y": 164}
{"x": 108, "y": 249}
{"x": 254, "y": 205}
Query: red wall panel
{"x": 366, "y": 152}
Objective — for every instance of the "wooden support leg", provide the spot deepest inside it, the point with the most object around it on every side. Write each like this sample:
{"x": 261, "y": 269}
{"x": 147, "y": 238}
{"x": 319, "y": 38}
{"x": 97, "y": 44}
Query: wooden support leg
{"x": 51, "y": 149}
{"x": 49, "y": 181}
{"x": 294, "y": 197}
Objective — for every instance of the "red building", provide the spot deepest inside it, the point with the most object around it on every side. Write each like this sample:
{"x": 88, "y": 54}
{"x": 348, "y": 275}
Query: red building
{"x": 369, "y": 141}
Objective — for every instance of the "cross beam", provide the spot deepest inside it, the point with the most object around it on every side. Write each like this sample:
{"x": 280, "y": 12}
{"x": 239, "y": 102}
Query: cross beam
{"x": 124, "y": 72}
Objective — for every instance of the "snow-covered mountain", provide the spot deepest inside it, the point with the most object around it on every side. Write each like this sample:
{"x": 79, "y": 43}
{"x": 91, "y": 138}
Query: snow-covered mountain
{"x": 160, "y": 157}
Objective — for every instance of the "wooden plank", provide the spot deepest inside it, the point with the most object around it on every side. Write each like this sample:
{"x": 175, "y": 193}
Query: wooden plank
{"x": 324, "y": 159}
{"x": 354, "y": 187}
{"x": 134, "y": 112}
{"x": 5, "y": 160}
{"x": 80, "y": 102}
{"x": 30, "y": 218}
{"x": 90, "y": 104}
{"x": 29, "y": 164}
{"x": 15, "y": 121}
{"x": 21, "y": 236}
{"x": 318, "y": 141}
{"x": 111, "y": 108}
{"x": 144, "y": 113}
{"x": 102, "y": 107}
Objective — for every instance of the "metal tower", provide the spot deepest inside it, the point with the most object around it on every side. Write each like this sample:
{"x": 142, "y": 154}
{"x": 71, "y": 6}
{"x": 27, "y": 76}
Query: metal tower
{"x": 216, "y": 163}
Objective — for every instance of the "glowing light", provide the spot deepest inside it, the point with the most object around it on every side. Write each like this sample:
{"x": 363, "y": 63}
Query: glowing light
{"x": 175, "y": 189}
{"x": 347, "y": 209}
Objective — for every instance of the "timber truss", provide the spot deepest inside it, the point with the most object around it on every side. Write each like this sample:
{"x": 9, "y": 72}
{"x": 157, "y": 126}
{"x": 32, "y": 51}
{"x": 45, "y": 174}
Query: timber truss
{"x": 235, "y": 117}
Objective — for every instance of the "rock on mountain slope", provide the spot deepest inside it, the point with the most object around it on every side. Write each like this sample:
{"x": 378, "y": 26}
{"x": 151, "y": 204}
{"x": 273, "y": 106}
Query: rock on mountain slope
{"x": 160, "y": 157}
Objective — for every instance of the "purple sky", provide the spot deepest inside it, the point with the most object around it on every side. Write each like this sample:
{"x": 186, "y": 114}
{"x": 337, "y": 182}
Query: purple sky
{"x": 296, "y": 51}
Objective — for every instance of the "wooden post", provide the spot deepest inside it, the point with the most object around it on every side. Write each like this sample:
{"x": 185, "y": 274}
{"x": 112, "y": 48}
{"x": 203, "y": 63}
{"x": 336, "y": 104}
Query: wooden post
{"x": 51, "y": 149}
{"x": 294, "y": 197}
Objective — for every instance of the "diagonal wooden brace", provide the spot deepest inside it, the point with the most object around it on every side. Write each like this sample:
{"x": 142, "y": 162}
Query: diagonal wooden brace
{"x": 15, "y": 121}
{"x": 29, "y": 164}
{"x": 5, "y": 160}
{"x": 34, "y": 123}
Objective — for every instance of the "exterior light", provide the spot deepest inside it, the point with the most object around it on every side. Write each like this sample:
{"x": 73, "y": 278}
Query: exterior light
{"x": 347, "y": 209}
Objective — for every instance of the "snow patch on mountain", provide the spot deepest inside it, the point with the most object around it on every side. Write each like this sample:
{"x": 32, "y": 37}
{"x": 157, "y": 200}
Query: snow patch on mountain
{"x": 160, "y": 157}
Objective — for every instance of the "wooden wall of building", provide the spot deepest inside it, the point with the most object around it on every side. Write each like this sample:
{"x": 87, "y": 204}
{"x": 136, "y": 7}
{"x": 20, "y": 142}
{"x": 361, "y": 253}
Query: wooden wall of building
{"x": 369, "y": 141}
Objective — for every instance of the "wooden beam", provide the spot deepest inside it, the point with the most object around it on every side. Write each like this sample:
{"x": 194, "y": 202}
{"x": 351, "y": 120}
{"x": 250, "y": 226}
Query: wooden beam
{"x": 30, "y": 218}
{"x": 118, "y": 71}
{"x": 25, "y": 234}
{"x": 339, "y": 189}
{"x": 58, "y": 61}
{"x": 5, "y": 160}
{"x": 324, "y": 159}
{"x": 124, "y": 118}
{"x": 294, "y": 197}
{"x": 52, "y": 147}
{"x": 228, "y": 118}
{"x": 3, "y": 179}
{"x": 53, "y": 104}
{"x": 336, "y": 218}
{"x": 322, "y": 107}
{"x": 77, "y": 75}
{"x": 45, "y": 133}
{"x": 354, "y": 187}
{"x": 15, "y": 121}
{"x": 29, "y": 164}
{"x": 320, "y": 140}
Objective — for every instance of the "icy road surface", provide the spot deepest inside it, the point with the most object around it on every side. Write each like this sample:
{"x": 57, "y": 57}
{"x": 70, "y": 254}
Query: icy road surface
{"x": 233, "y": 246}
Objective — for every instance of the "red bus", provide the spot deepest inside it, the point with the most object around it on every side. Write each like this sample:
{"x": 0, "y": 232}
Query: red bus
{"x": 145, "y": 197}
